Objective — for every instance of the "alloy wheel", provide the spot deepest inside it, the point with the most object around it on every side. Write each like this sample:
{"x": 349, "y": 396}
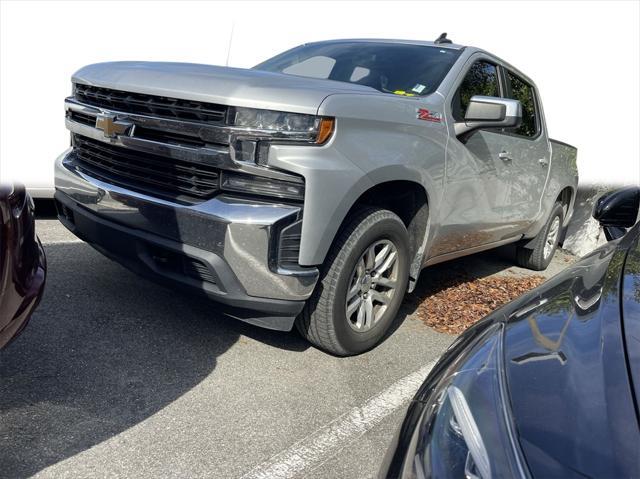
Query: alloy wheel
{"x": 372, "y": 285}
{"x": 552, "y": 237}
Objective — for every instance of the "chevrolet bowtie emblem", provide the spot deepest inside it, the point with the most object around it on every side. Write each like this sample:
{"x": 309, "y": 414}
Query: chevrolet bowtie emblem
{"x": 110, "y": 126}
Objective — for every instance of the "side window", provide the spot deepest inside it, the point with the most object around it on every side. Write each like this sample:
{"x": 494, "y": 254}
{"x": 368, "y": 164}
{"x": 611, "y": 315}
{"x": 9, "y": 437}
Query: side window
{"x": 481, "y": 79}
{"x": 522, "y": 91}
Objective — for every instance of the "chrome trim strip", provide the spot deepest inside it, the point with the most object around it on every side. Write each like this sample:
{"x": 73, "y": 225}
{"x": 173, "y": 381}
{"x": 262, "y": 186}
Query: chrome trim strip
{"x": 219, "y": 156}
{"x": 212, "y": 133}
{"x": 207, "y": 155}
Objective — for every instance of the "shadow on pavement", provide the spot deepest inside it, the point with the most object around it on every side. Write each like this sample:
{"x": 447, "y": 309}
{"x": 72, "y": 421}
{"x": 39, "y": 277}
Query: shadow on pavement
{"x": 105, "y": 350}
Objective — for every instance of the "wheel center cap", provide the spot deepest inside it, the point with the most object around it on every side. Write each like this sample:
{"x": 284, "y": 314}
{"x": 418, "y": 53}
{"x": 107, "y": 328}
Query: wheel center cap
{"x": 365, "y": 285}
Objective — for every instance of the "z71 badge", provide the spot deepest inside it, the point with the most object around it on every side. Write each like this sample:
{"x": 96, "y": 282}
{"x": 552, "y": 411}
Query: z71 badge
{"x": 428, "y": 115}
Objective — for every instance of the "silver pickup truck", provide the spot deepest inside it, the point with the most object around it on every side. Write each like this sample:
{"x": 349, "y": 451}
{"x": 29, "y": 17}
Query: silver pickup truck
{"x": 313, "y": 188}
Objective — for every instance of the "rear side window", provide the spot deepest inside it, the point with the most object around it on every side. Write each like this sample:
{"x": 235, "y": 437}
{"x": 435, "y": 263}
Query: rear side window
{"x": 481, "y": 79}
{"x": 522, "y": 91}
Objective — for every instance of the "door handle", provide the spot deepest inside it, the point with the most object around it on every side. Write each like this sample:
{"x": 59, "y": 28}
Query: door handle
{"x": 543, "y": 161}
{"x": 505, "y": 156}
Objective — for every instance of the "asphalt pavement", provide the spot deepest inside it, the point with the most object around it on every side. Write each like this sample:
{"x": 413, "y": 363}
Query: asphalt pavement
{"x": 116, "y": 376}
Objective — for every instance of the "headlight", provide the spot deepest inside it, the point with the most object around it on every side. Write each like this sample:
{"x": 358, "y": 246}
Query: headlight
{"x": 282, "y": 125}
{"x": 466, "y": 429}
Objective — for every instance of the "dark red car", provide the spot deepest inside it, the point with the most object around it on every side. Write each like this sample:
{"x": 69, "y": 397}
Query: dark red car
{"x": 22, "y": 262}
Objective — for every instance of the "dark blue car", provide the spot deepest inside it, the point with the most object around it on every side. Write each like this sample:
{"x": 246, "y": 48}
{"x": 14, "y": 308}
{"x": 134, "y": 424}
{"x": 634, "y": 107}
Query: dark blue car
{"x": 547, "y": 386}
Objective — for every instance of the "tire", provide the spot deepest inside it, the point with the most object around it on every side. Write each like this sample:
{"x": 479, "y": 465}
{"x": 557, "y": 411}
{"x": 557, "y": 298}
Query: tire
{"x": 325, "y": 321}
{"x": 533, "y": 255}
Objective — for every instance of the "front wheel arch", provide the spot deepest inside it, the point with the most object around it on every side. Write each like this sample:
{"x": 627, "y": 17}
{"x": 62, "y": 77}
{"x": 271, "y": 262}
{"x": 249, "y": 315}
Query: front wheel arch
{"x": 324, "y": 320}
{"x": 410, "y": 201}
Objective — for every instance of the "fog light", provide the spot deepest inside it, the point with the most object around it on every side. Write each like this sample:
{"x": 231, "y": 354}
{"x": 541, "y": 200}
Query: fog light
{"x": 262, "y": 186}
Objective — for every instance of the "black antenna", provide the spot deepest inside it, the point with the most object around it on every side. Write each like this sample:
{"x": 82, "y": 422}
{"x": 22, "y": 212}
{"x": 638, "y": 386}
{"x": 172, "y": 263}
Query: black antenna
{"x": 442, "y": 39}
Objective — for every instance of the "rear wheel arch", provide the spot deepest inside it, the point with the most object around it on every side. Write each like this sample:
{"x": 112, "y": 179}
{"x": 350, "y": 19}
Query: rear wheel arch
{"x": 537, "y": 253}
{"x": 565, "y": 197}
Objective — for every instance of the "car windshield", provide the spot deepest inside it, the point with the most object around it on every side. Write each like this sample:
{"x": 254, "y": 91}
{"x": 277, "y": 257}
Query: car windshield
{"x": 403, "y": 69}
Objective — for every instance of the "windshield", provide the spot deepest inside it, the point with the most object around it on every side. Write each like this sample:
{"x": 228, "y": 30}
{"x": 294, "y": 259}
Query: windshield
{"x": 411, "y": 70}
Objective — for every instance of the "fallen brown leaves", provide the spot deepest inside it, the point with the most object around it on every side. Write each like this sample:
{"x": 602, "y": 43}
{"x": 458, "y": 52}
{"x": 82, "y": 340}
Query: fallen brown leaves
{"x": 453, "y": 301}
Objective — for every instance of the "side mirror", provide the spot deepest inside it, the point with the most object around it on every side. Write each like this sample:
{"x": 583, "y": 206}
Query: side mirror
{"x": 617, "y": 211}
{"x": 489, "y": 112}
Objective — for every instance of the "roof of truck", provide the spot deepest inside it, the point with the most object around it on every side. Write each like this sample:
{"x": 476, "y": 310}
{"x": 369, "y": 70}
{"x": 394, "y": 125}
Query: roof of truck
{"x": 452, "y": 46}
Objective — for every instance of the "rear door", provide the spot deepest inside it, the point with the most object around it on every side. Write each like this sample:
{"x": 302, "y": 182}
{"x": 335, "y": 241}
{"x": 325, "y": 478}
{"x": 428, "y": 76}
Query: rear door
{"x": 530, "y": 155}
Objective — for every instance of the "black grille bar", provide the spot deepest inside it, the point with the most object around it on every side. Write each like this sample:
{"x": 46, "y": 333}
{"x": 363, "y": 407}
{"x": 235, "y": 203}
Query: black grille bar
{"x": 89, "y": 120}
{"x": 150, "y": 105}
{"x": 145, "y": 172}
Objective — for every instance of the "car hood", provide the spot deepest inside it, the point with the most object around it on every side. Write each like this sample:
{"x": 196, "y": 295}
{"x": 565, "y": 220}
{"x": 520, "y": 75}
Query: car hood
{"x": 566, "y": 372}
{"x": 215, "y": 84}
{"x": 631, "y": 313}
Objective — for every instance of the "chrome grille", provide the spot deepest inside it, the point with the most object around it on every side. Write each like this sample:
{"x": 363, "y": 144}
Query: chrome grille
{"x": 150, "y": 105}
{"x": 144, "y": 172}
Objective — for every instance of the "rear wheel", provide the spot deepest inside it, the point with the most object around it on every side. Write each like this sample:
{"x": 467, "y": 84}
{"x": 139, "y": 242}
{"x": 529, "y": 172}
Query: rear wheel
{"x": 363, "y": 282}
{"x": 538, "y": 253}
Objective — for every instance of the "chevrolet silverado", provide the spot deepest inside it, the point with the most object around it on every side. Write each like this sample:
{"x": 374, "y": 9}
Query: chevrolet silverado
{"x": 313, "y": 188}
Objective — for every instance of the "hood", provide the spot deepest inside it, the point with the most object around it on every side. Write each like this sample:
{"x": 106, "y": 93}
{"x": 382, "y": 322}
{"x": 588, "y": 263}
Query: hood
{"x": 567, "y": 378}
{"x": 631, "y": 313}
{"x": 214, "y": 84}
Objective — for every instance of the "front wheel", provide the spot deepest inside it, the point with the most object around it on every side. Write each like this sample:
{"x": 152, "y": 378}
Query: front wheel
{"x": 363, "y": 282}
{"x": 538, "y": 253}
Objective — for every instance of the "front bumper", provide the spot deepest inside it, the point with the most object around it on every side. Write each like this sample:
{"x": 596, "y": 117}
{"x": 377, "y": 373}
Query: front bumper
{"x": 223, "y": 247}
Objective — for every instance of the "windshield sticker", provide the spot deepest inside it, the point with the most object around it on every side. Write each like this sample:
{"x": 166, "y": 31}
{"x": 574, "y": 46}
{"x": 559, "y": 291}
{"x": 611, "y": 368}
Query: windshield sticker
{"x": 419, "y": 88}
{"x": 403, "y": 93}
{"x": 429, "y": 115}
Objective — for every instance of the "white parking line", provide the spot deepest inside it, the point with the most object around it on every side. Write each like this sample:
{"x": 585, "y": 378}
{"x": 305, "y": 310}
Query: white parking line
{"x": 329, "y": 440}
{"x": 61, "y": 241}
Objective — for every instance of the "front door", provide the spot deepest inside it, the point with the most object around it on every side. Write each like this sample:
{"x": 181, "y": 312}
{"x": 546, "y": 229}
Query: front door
{"x": 477, "y": 176}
